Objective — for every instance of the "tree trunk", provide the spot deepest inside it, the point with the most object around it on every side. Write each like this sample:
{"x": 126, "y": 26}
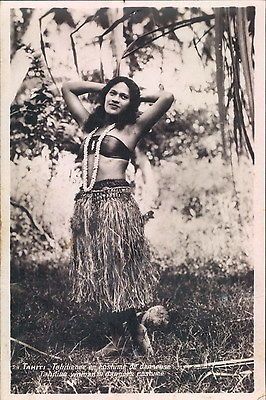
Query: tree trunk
{"x": 117, "y": 37}
{"x": 21, "y": 61}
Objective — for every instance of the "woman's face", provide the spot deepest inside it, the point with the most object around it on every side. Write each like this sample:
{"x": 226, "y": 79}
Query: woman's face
{"x": 117, "y": 99}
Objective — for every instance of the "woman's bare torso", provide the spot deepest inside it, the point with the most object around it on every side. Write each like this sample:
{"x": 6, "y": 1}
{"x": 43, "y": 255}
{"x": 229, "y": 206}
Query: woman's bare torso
{"x": 109, "y": 168}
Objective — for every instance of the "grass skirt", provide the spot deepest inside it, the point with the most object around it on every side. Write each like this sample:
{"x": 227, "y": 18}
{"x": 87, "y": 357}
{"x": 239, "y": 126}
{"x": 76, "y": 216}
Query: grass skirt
{"x": 111, "y": 259}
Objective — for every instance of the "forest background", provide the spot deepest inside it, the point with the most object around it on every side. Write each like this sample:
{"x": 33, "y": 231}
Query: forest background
{"x": 194, "y": 171}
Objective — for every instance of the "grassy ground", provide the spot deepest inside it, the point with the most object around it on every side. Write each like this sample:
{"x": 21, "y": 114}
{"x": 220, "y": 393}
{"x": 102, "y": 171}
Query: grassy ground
{"x": 210, "y": 320}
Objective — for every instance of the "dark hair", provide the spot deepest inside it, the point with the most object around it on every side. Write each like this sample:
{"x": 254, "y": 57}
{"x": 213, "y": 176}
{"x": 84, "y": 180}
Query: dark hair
{"x": 126, "y": 117}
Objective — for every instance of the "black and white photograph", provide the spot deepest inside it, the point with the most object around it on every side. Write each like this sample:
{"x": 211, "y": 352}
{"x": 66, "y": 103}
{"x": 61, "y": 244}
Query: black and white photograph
{"x": 131, "y": 189}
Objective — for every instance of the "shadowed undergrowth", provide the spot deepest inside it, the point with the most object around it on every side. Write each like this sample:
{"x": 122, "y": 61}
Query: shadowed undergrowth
{"x": 210, "y": 321}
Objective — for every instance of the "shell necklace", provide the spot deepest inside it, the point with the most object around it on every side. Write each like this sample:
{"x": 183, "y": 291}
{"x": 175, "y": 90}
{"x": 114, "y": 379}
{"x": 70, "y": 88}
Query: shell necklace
{"x": 95, "y": 167}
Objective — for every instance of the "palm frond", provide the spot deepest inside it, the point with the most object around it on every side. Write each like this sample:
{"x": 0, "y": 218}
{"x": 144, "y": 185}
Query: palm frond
{"x": 219, "y": 30}
{"x": 246, "y": 58}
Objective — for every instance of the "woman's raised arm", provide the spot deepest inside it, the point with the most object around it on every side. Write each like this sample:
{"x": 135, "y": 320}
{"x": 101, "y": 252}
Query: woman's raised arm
{"x": 71, "y": 91}
{"x": 162, "y": 102}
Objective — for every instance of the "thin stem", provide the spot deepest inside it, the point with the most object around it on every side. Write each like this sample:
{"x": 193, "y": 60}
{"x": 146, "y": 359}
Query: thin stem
{"x": 34, "y": 349}
{"x": 221, "y": 364}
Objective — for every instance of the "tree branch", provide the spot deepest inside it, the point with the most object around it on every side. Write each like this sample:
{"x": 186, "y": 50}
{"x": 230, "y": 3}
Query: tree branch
{"x": 34, "y": 349}
{"x": 43, "y": 48}
{"x": 34, "y": 223}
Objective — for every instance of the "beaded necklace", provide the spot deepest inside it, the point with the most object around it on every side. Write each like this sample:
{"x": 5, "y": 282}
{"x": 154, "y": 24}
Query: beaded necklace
{"x": 95, "y": 167}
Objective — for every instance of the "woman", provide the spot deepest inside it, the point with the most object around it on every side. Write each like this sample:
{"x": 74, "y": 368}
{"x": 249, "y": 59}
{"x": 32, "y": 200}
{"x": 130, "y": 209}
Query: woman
{"x": 111, "y": 264}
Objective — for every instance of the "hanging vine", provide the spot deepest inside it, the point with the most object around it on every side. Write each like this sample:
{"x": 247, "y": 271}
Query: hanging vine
{"x": 234, "y": 41}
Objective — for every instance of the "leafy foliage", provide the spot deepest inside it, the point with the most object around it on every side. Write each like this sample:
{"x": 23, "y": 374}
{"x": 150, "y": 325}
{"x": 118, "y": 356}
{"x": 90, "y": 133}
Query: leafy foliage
{"x": 40, "y": 121}
{"x": 177, "y": 133}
